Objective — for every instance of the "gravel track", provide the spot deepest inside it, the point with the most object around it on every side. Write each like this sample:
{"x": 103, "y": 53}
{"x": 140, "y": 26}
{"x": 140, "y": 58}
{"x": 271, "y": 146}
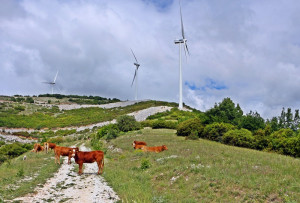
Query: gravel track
{"x": 68, "y": 186}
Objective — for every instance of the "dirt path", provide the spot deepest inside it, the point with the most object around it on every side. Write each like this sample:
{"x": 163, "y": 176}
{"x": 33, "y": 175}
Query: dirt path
{"x": 68, "y": 186}
{"x": 139, "y": 116}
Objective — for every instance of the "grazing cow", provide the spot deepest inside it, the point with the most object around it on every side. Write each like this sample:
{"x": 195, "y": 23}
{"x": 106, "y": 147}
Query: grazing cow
{"x": 89, "y": 157}
{"x": 63, "y": 151}
{"x": 154, "y": 149}
{"x": 48, "y": 145}
{"x": 135, "y": 143}
{"x": 37, "y": 147}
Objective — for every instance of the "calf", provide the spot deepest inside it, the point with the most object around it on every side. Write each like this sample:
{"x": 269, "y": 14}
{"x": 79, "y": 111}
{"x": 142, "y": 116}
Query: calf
{"x": 37, "y": 147}
{"x": 138, "y": 146}
{"x": 154, "y": 149}
{"x": 138, "y": 143}
{"x": 63, "y": 151}
{"x": 48, "y": 145}
{"x": 89, "y": 157}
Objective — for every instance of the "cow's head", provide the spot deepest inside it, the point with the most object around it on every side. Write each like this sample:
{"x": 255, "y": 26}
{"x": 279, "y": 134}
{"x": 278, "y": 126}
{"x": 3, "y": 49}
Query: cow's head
{"x": 73, "y": 151}
{"x": 133, "y": 144}
{"x": 164, "y": 147}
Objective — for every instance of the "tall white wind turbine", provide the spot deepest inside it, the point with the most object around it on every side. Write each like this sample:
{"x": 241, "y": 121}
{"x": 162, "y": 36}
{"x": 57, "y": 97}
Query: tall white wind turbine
{"x": 180, "y": 42}
{"x": 137, "y": 65}
{"x": 52, "y": 83}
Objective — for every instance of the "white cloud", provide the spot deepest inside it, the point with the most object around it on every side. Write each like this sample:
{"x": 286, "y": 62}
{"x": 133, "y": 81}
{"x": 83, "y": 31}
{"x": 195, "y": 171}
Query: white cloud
{"x": 251, "y": 47}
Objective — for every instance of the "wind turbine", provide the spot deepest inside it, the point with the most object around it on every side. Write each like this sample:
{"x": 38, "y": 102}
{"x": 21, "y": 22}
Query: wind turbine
{"x": 180, "y": 42}
{"x": 52, "y": 83}
{"x": 137, "y": 65}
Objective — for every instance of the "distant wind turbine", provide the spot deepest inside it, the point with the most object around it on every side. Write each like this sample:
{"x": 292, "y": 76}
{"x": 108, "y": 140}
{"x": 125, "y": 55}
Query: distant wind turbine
{"x": 186, "y": 50}
{"x": 137, "y": 65}
{"x": 52, "y": 83}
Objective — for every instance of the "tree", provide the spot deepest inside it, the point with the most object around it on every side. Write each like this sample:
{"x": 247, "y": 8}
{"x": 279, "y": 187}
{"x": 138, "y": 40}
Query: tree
{"x": 252, "y": 121}
{"x": 225, "y": 112}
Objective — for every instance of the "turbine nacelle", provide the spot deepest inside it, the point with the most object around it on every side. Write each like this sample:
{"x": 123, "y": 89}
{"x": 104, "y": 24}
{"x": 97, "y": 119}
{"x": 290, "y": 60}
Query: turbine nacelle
{"x": 137, "y": 65}
{"x": 179, "y": 41}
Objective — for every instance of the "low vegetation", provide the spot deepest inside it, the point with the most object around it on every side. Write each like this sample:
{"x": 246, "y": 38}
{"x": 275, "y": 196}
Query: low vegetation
{"x": 77, "y": 117}
{"x": 198, "y": 171}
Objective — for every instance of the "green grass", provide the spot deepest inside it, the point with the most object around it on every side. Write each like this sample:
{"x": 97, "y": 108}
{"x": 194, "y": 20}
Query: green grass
{"x": 76, "y": 117}
{"x": 199, "y": 171}
{"x": 18, "y": 177}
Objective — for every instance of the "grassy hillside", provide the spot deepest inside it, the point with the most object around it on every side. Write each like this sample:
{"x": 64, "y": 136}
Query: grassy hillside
{"x": 194, "y": 171}
{"x": 11, "y": 115}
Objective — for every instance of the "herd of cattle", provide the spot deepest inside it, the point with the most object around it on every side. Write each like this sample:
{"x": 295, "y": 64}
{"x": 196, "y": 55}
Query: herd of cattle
{"x": 88, "y": 157}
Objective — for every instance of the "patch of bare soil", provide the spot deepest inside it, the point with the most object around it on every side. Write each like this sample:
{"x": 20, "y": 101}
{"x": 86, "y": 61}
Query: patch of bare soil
{"x": 68, "y": 186}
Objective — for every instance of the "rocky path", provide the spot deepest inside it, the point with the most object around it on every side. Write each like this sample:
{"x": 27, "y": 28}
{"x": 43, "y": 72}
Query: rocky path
{"x": 139, "y": 116}
{"x": 68, "y": 186}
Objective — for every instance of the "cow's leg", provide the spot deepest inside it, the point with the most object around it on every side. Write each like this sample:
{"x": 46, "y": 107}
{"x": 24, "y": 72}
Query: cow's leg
{"x": 80, "y": 168}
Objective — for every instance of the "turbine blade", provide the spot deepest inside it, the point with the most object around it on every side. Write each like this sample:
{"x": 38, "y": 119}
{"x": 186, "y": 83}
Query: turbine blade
{"x": 186, "y": 47}
{"x": 182, "y": 28}
{"x": 134, "y": 56}
{"x": 55, "y": 77}
{"x": 46, "y": 82}
{"x": 133, "y": 77}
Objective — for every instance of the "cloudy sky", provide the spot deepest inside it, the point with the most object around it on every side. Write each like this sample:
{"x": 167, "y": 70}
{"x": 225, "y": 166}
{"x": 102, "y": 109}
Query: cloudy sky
{"x": 246, "y": 50}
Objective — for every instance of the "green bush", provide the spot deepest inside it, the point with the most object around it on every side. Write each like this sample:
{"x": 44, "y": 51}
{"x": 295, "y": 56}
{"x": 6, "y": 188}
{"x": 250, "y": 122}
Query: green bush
{"x": 127, "y": 123}
{"x": 145, "y": 164}
{"x": 285, "y": 141}
{"x": 56, "y": 140}
{"x": 192, "y": 136}
{"x": 215, "y": 131}
{"x": 147, "y": 123}
{"x": 20, "y": 108}
{"x": 103, "y": 131}
{"x": 112, "y": 134}
{"x": 186, "y": 127}
{"x": 240, "y": 138}
{"x": 262, "y": 139}
{"x": 164, "y": 124}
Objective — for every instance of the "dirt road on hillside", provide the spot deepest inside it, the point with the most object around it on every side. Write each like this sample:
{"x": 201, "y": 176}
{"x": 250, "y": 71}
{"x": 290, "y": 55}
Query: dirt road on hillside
{"x": 139, "y": 116}
{"x": 68, "y": 186}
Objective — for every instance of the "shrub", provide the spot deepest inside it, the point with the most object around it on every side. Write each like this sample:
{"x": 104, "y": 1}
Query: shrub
{"x": 193, "y": 136}
{"x": 164, "y": 124}
{"x": 20, "y": 108}
{"x": 215, "y": 131}
{"x": 186, "y": 127}
{"x": 285, "y": 141}
{"x": 103, "y": 131}
{"x": 262, "y": 139}
{"x": 127, "y": 123}
{"x": 145, "y": 164}
{"x": 146, "y": 123}
{"x": 240, "y": 138}
{"x": 112, "y": 134}
{"x": 56, "y": 140}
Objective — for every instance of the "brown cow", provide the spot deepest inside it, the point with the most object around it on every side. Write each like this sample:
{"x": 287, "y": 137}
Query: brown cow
{"x": 154, "y": 149}
{"x": 63, "y": 151}
{"x": 138, "y": 146}
{"x": 37, "y": 148}
{"x": 48, "y": 145}
{"x": 89, "y": 157}
{"x": 135, "y": 143}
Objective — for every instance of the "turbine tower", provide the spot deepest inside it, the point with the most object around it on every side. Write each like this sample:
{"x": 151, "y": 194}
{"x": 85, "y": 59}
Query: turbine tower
{"x": 137, "y": 65}
{"x": 52, "y": 83}
{"x": 180, "y": 42}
